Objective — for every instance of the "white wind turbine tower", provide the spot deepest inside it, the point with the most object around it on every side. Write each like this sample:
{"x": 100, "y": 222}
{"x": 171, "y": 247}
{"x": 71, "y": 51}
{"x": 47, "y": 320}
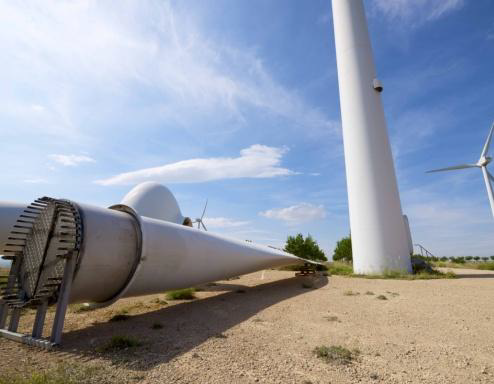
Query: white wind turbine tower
{"x": 482, "y": 164}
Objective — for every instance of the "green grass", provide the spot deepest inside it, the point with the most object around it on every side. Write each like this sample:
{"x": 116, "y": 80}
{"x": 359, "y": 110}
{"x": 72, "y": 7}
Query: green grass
{"x": 482, "y": 265}
{"x": 119, "y": 343}
{"x": 121, "y": 315}
{"x": 346, "y": 269}
{"x": 340, "y": 268}
{"x": 81, "y": 308}
{"x": 181, "y": 294}
{"x": 335, "y": 354}
{"x": 63, "y": 374}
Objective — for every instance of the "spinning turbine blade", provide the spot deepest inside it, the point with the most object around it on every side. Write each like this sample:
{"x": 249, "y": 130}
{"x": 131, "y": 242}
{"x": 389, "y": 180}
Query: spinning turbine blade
{"x": 202, "y": 222}
{"x": 487, "y": 178}
{"x": 487, "y": 142}
{"x": 204, "y": 210}
{"x": 462, "y": 166}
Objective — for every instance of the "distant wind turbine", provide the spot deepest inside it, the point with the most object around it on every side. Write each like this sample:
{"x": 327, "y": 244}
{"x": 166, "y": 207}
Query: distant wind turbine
{"x": 199, "y": 219}
{"x": 482, "y": 164}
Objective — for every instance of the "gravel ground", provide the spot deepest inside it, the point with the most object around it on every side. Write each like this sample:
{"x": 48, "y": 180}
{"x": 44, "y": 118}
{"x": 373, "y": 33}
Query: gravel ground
{"x": 265, "y": 326}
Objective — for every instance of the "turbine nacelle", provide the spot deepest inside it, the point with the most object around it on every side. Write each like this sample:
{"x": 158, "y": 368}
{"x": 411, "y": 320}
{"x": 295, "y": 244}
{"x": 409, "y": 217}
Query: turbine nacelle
{"x": 484, "y": 161}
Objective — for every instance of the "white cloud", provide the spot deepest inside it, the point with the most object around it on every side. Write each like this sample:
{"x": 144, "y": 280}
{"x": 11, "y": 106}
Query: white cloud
{"x": 71, "y": 160}
{"x": 257, "y": 161}
{"x": 223, "y": 222}
{"x": 416, "y": 12}
{"x": 296, "y": 213}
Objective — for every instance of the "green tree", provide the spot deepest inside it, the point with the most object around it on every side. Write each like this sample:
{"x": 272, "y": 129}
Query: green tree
{"x": 476, "y": 258}
{"x": 305, "y": 248}
{"x": 469, "y": 258}
{"x": 343, "y": 250}
{"x": 492, "y": 258}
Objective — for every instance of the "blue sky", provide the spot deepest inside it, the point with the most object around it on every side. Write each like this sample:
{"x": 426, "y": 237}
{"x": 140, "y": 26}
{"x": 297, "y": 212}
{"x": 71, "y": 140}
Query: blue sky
{"x": 237, "y": 102}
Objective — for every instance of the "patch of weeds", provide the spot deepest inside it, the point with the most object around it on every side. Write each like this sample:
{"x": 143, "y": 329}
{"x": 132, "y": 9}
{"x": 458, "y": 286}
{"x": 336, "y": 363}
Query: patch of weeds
{"x": 159, "y": 301}
{"x": 181, "y": 294}
{"x": 381, "y": 297}
{"x": 62, "y": 374}
{"x": 401, "y": 275}
{"x": 120, "y": 316}
{"x": 332, "y": 318}
{"x": 198, "y": 289}
{"x": 486, "y": 266}
{"x": 433, "y": 275}
{"x": 394, "y": 294}
{"x": 211, "y": 284}
{"x": 351, "y": 293}
{"x": 119, "y": 343}
{"x": 340, "y": 268}
{"x": 157, "y": 326}
{"x": 240, "y": 290}
{"x": 335, "y": 354}
{"x": 369, "y": 293}
{"x": 220, "y": 336}
{"x": 346, "y": 269}
{"x": 81, "y": 308}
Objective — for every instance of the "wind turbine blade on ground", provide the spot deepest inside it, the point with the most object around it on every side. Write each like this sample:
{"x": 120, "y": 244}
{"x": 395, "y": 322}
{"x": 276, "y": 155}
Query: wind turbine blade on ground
{"x": 462, "y": 166}
{"x": 487, "y": 142}
{"x": 487, "y": 178}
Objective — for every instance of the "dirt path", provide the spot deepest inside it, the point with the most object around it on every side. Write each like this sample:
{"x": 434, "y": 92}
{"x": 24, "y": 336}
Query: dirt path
{"x": 264, "y": 327}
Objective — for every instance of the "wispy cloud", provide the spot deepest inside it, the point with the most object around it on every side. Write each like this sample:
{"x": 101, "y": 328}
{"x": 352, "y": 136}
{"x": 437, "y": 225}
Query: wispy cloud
{"x": 151, "y": 45}
{"x": 296, "y": 213}
{"x": 224, "y": 222}
{"x": 71, "y": 160}
{"x": 416, "y": 12}
{"x": 257, "y": 161}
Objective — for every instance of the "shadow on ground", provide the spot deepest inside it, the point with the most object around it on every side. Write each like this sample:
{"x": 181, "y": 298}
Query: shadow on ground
{"x": 185, "y": 325}
{"x": 475, "y": 275}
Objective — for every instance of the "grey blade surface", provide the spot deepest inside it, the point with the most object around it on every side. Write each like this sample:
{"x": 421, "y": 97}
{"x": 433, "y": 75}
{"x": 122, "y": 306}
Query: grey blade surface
{"x": 488, "y": 142}
{"x": 462, "y": 166}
